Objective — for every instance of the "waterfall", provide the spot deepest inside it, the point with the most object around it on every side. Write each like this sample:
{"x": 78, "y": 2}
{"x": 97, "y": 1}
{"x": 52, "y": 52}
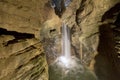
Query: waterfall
{"x": 68, "y": 67}
{"x": 66, "y": 45}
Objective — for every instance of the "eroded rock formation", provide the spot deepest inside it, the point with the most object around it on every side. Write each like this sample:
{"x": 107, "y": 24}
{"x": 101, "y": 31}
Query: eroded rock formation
{"x": 26, "y": 26}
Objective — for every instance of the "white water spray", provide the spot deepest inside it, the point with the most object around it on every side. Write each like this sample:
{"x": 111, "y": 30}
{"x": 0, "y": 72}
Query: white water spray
{"x": 66, "y": 46}
{"x": 67, "y": 67}
{"x": 66, "y": 49}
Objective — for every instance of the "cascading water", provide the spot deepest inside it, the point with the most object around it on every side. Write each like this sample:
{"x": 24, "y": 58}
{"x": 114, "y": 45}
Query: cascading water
{"x": 66, "y": 41}
{"x": 67, "y": 67}
{"x": 66, "y": 45}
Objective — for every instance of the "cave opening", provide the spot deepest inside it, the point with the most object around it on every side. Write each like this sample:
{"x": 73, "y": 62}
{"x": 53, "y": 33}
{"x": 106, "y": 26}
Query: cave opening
{"x": 107, "y": 61}
{"x": 18, "y": 36}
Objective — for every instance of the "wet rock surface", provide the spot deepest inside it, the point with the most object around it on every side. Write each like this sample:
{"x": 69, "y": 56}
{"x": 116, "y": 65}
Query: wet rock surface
{"x": 29, "y": 25}
{"x": 70, "y": 71}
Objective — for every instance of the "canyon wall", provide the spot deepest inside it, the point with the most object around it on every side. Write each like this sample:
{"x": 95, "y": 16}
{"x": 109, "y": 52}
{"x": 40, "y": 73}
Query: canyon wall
{"x": 30, "y": 37}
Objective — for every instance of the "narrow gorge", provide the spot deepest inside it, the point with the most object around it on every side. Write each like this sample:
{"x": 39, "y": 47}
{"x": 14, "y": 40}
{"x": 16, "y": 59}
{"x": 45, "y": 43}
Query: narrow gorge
{"x": 31, "y": 33}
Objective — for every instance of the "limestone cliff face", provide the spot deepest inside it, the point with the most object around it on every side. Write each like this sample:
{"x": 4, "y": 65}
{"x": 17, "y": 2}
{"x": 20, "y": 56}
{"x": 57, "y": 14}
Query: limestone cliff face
{"x": 21, "y": 54}
{"x": 26, "y": 26}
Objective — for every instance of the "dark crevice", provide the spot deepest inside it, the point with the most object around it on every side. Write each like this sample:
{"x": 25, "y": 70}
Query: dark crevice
{"x": 116, "y": 32}
{"x": 81, "y": 9}
{"x": 25, "y": 50}
{"x": 117, "y": 22}
{"x": 19, "y": 67}
{"x": 37, "y": 57}
{"x": 10, "y": 42}
{"x": 52, "y": 30}
{"x": 115, "y": 12}
{"x": 36, "y": 75}
{"x": 118, "y": 55}
{"x": 107, "y": 60}
{"x": 73, "y": 29}
{"x": 33, "y": 75}
{"x": 111, "y": 13}
{"x": 33, "y": 60}
{"x": 18, "y": 36}
{"x": 59, "y": 6}
{"x": 19, "y": 7}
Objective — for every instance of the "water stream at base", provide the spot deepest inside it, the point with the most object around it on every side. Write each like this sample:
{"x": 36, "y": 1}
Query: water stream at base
{"x": 67, "y": 67}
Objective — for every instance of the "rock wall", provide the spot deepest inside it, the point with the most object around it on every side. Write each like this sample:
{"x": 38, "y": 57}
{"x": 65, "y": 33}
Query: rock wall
{"x": 21, "y": 53}
{"x": 26, "y": 27}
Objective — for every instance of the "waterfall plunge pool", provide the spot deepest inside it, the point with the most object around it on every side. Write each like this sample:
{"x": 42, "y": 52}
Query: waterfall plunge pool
{"x": 67, "y": 67}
